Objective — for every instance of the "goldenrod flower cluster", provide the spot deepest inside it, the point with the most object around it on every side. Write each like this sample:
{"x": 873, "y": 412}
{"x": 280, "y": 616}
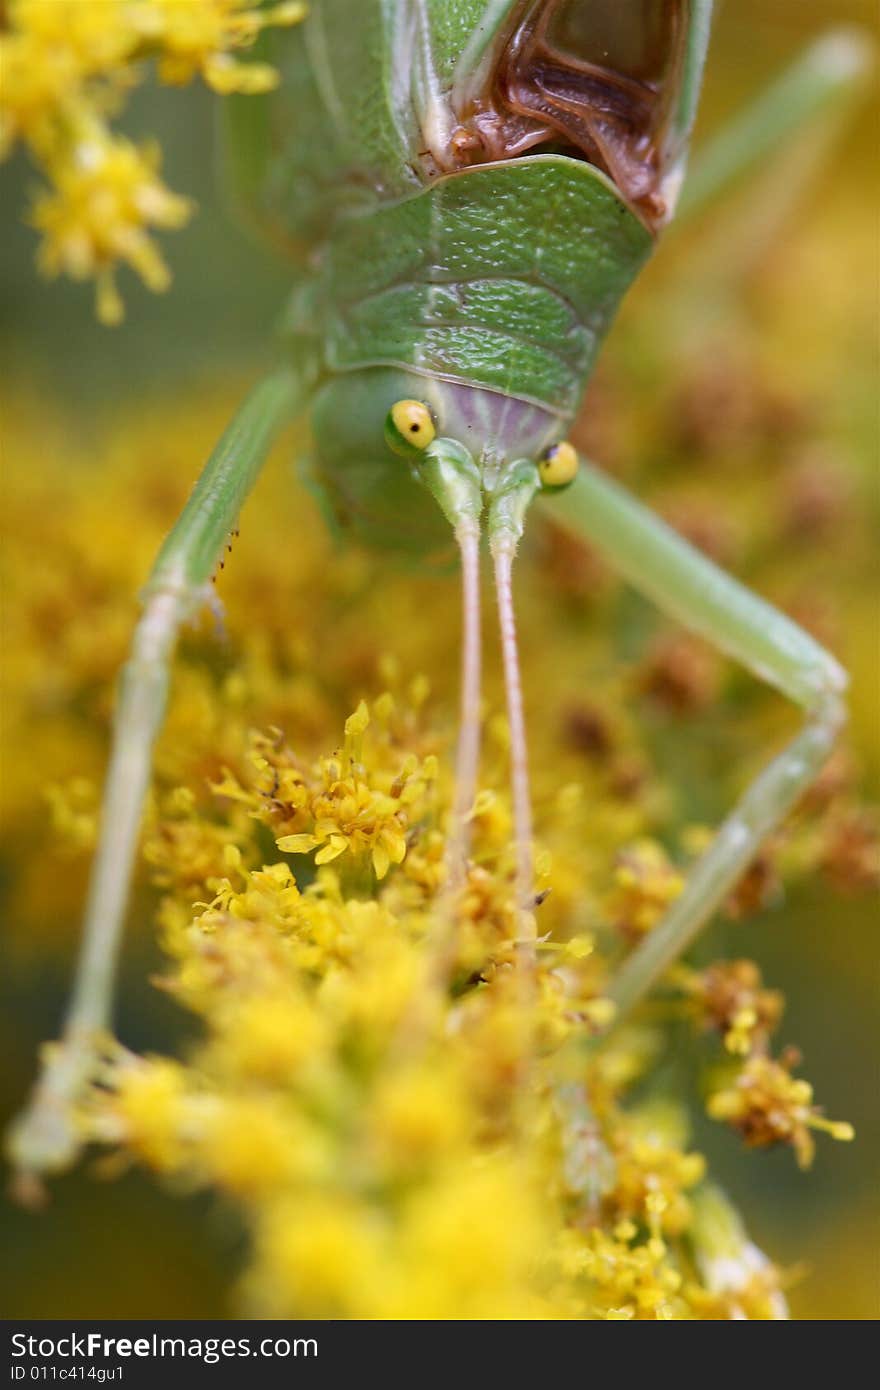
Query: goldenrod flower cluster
{"x": 401, "y": 1141}
{"x": 768, "y": 1105}
{"x": 67, "y": 67}
{"x": 729, "y": 996}
{"x": 346, "y": 809}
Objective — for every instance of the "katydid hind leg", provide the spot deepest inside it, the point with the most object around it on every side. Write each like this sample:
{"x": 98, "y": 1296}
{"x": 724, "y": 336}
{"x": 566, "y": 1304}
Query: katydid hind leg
{"x": 44, "y": 1139}
{"x": 811, "y": 95}
{"x": 694, "y": 591}
{"x": 769, "y": 157}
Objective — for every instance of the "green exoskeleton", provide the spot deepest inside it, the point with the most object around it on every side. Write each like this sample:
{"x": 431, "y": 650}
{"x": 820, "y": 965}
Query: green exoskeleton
{"x": 469, "y": 187}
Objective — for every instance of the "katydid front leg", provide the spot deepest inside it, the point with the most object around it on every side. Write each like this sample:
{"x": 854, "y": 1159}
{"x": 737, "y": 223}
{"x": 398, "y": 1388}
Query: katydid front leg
{"x": 45, "y": 1138}
{"x": 689, "y": 587}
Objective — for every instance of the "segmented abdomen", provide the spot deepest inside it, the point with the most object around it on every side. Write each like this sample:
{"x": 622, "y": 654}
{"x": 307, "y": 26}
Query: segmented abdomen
{"x": 504, "y": 276}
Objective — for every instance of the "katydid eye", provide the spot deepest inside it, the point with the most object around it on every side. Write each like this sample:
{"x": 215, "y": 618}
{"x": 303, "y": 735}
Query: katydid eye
{"x": 558, "y": 465}
{"x": 409, "y": 426}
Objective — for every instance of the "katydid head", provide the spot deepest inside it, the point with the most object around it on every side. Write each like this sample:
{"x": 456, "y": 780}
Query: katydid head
{"x": 489, "y": 470}
{"x": 376, "y": 429}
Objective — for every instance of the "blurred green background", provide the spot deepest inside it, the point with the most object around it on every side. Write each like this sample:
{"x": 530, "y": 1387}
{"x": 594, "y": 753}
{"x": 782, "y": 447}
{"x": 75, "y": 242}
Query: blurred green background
{"x": 126, "y": 1249}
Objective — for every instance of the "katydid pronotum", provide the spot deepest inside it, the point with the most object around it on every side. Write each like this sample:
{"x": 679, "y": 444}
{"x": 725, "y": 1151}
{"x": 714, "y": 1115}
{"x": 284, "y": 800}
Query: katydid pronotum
{"x": 470, "y": 197}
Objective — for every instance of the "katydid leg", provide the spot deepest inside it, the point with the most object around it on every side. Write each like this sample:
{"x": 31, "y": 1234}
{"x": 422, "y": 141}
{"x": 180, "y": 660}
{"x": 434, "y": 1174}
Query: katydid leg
{"x": 45, "y": 1138}
{"x": 689, "y": 587}
{"x": 502, "y": 555}
{"x": 468, "y": 753}
{"x": 450, "y": 474}
{"x": 769, "y": 155}
{"x": 507, "y": 510}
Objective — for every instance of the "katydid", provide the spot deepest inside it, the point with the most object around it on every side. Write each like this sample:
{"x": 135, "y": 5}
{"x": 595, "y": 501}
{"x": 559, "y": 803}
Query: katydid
{"x": 469, "y": 189}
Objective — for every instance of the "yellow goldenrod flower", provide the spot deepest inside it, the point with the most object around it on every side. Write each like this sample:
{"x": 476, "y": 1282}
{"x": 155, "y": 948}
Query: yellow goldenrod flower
{"x": 650, "y": 1168}
{"x": 67, "y": 65}
{"x": 340, "y": 809}
{"x": 729, "y": 997}
{"x": 372, "y": 1134}
{"x": 320, "y": 1253}
{"x": 105, "y": 194}
{"x": 148, "y": 1111}
{"x": 202, "y": 38}
{"x": 645, "y": 883}
{"x": 631, "y": 1279}
{"x": 420, "y": 1113}
{"x": 770, "y": 1106}
{"x": 250, "y": 1146}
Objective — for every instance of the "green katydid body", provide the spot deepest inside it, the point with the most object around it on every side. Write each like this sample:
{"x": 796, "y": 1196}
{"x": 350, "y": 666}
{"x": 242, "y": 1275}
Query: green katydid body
{"x": 470, "y": 186}
{"x": 438, "y": 266}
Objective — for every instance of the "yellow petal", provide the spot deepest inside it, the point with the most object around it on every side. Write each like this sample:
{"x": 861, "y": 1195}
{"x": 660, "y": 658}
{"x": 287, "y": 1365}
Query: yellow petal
{"x": 296, "y": 844}
{"x": 356, "y": 723}
{"x": 330, "y": 851}
{"x": 394, "y": 842}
